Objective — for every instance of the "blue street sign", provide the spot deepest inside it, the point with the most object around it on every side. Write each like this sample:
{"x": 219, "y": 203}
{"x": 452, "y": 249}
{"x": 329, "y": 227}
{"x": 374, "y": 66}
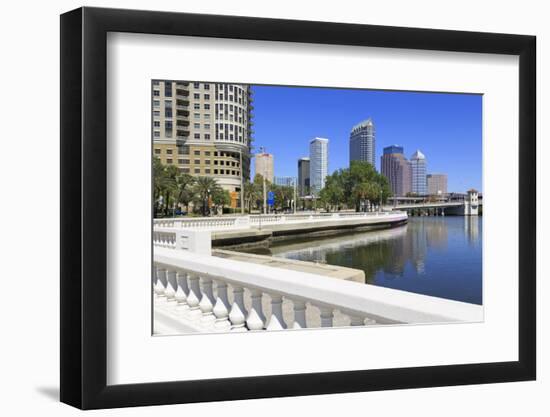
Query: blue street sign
{"x": 270, "y": 198}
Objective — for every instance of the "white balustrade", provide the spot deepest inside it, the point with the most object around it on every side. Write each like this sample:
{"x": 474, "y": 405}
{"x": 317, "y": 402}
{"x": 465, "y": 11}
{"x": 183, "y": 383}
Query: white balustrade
{"x": 197, "y": 241}
{"x": 221, "y": 222}
{"x": 208, "y": 294}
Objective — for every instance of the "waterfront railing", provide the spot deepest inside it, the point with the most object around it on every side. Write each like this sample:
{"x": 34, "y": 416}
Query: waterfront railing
{"x": 201, "y": 293}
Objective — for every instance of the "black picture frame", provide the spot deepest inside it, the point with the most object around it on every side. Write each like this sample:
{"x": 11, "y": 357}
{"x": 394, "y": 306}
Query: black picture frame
{"x": 84, "y": 207}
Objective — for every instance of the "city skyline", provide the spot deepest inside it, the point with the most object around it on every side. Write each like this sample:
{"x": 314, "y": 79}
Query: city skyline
{"x": 411, "y": 119}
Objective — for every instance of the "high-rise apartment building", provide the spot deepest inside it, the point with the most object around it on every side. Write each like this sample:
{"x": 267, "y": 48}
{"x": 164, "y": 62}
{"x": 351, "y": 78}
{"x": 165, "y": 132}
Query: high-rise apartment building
{"x": 264, "y": 165}
{"x": 362, "y": 142}
{"x": 303, "y": 176}
{"x": 437, "y": 184}
{"x": 203, "y": 128}
{"x": 318, "y": 166}
{"x": 397, "y": 169}
{"x": 418, "y": 172}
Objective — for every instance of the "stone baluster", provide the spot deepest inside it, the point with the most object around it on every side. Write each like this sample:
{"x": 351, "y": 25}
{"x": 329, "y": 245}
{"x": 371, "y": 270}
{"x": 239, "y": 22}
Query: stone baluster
{"x": 357, "y": 320}
{"x": 161, "y": 281}
{"x": 326, "y": 316}
{"x": 256, "y": 318}
{"x": 221, "y": 308}
{"x": 193, "y": 299}
{"x": 182, "y": 291}
{"x": 276, "y": 321}
{"x": 170, "y": 290}
{"x": 299, "y": 314}
{"x": 206, "y": 303}
{"x": 237, "y": 315}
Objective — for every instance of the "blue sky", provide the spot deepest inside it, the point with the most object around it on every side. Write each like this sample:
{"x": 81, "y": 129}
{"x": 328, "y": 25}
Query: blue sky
{"x": 445, "y": 127}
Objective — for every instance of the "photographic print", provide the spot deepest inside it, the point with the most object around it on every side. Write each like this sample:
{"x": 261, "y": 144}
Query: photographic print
{"x": 291, "y": 207}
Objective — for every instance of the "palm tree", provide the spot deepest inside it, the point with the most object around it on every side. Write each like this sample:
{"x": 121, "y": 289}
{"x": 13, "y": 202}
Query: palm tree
{"x": 185, "y": 194}
{"x": 164, "y": 184}
{"x": 169, "y": 187}
{"x": 251, "y": 194}
{"x": 204, "y": 188}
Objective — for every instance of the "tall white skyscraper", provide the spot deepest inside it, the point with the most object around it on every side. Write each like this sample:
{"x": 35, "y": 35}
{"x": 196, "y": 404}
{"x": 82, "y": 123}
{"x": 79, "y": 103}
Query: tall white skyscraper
{"x": 362, "y": 142}
{"x": 318, "y": 167}
{"x": 418, "y": 173}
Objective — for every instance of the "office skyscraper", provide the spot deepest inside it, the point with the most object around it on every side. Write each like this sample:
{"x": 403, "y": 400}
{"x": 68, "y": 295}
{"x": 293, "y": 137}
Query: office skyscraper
{"x": 318, "y": 168}
{"x": 362, "y": 142}
{"x": 303, "y": 176}
{"x": 437, "y": 184}
{"x": 264, "y": 165}
{"x": 203, "y": 128}
{"x": 418, "y": 171}
{"x": 395, "y": 167}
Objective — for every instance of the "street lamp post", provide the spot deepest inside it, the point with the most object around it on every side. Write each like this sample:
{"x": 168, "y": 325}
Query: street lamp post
{"x": 242, "y": 180}
{"x": 295, "y": 195}
{"x": 265, "y": 196}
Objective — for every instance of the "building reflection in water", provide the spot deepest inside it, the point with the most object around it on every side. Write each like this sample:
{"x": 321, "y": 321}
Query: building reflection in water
{"x": 391, "y": 251}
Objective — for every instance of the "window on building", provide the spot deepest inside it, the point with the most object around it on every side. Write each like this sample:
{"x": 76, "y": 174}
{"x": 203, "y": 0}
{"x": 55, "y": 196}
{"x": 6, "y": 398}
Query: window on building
{"x": 186, "y": 161}
{"x": 156, "y": 82}
{"x": 180, "y": 161}
{"x": 196, "y": 85}
{"x": 183, "y": 150}
{"x": 197, "y": 135}
{"x": 196, "y": 96}
{"x": 197, "y": 161}
{"x": 196, "y": 152}
{"x": 197, "y": 106}
{"x": 215, "y": 171}
{"x": 197, "y": 115}
{"x": 156, "y": 103}
{"x": 197, "y": 125}
{"x": 156, "y": 93}
{"x": 197, "y": 170}
{"x": 156, "y": 113}
{"x": 207, "y": 125}
{"x": 185, "y": 170}
{"x": 169, "y": 161}
{"x": 207, "y": 96}
{"x": 169, "y": 151}
{"x": 207, "y": 161}
{"x": 215, "y": 162}
{"x": 167, "y": 89}
{"x": 156, "y": 134}
{"x": 207, "y": 86}
{"x": 157, "y": 151}
{"x": 207, "y": 116}
{"x": 207, "y": 136}
{"x": 207, "y": 171}
{"x": 156, "y": 123}
{"x": 207, "y": 106}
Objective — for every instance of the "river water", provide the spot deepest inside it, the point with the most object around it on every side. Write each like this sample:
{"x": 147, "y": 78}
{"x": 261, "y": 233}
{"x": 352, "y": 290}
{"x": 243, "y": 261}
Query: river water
{"x": 438, "y": 256}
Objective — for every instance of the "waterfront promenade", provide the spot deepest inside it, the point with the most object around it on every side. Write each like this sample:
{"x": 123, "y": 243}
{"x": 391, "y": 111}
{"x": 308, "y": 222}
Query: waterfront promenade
{"x": 195, "y": 291}
{"x": 249, "y": 230}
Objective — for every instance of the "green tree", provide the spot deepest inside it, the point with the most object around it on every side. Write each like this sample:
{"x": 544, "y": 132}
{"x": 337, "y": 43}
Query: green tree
{"x": 332, "y": 195}
{"x": 358, "y": 186}
{"x": 203, "y": 189}
{"x": 184, "y": 183}
{"x": 221, "y": 198}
